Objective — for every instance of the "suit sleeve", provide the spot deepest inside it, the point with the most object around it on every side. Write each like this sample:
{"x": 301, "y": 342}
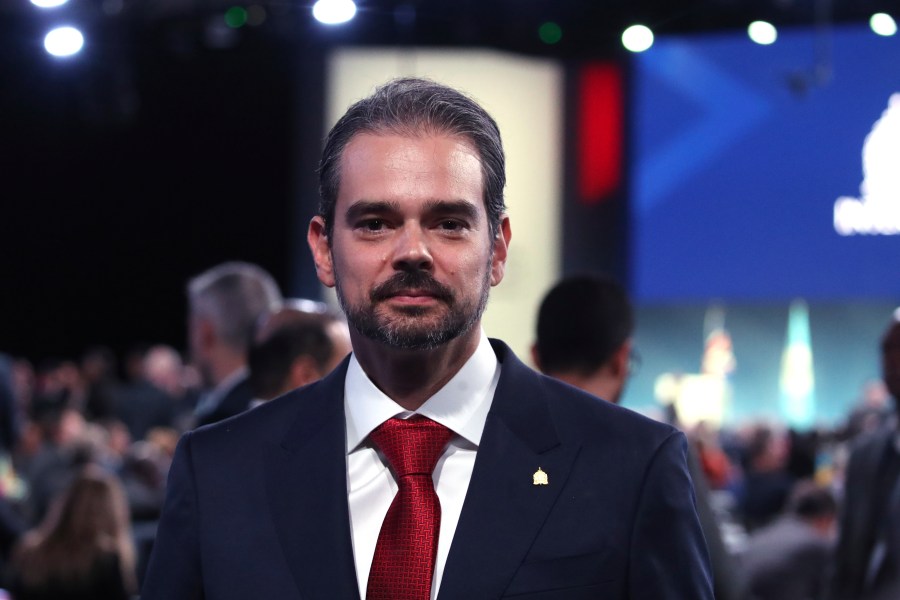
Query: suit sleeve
{"x": 174, "y": 569}
{"x": 668, "y": 558}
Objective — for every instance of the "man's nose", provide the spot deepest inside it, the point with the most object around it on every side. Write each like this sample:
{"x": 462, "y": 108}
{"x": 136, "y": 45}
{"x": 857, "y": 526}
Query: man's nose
{"x": 412, "y": 252}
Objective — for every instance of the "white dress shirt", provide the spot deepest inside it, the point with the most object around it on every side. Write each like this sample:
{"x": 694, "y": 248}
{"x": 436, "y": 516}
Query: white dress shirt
{"x": 461, "y": 405}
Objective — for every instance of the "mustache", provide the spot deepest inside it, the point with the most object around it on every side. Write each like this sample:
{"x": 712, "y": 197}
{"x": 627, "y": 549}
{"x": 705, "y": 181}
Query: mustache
{"x": 411, "y": 280}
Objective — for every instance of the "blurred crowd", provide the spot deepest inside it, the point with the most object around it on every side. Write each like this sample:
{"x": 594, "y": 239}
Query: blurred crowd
{"x": 787, "y": 514}
{"x": 775, "y": 494}
{"x": 86, "y": 444}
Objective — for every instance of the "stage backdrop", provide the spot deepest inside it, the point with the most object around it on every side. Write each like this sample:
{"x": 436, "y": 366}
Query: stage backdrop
{"x": 766, "y": 193}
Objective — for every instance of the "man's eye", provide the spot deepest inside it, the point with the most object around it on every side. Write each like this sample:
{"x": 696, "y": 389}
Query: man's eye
{"x": 451, "y": 225}
{"x": 372, "y": 225}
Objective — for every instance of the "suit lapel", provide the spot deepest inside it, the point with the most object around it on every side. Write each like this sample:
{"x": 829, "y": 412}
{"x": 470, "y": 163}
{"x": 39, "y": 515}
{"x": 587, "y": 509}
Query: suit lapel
{"x": 306, "y": 479}
{"x": 504, "y": 509}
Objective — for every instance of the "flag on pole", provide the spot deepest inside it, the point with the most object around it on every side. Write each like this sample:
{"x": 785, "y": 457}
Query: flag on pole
{"x": 797, "y": 382}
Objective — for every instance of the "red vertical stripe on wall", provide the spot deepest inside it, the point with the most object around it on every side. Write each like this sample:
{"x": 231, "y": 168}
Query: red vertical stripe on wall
{"x": 600, "y": 131}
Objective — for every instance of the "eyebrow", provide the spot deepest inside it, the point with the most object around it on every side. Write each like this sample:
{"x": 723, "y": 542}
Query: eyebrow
{"x": 359, "y": 208}
{"x": 364, "y": 207}
{"x": 462, "y": 208}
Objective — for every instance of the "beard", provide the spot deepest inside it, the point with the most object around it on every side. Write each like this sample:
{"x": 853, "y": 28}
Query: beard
{"x": 412, "y": 328}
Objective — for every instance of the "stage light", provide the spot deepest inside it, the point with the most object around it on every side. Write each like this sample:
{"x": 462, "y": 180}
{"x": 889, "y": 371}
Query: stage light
{"x": 883, "y": 24}
{"x": 637, "y": 38}
{"x": 48, "y": 3}
{"x": 334, "y": 12}
{"x": 762, "y": 33}
{"x": 63, "y": 41}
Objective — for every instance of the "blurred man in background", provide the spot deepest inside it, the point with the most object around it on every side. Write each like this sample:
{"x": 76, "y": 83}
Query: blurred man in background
{"x": 584, "y": 334}
{"x": 295, "y": 346}
{"x": 584, "y": 337}
{"x": 788, "y": 559}
{"x": 867, "y": 561}
{"x": 225, "y": 305}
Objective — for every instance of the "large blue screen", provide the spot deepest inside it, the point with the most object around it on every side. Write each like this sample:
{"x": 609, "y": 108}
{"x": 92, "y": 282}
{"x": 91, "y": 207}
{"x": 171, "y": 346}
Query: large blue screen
{"x": 741, "y": 152}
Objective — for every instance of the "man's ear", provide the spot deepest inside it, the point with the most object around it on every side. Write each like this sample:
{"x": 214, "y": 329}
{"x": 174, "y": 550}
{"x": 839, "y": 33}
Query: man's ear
{"x": 501, "y": 249}
{"x": 536, "y": 358}
{"x": 206, "y": 334}
{"x": 621, "y": 360}
{"x": 304, "y": 370}
{"x": 320, "y": 246}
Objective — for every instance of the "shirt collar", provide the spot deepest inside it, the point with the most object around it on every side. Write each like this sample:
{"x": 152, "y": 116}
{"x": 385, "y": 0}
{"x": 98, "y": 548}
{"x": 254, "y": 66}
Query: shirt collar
{"x": 232, "y": 380}
{"x": 461, "y": 405}
{"x": 209, "y": 401}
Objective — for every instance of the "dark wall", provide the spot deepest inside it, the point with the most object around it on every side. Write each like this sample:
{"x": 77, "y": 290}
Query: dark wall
{"x": 131, "y": 168}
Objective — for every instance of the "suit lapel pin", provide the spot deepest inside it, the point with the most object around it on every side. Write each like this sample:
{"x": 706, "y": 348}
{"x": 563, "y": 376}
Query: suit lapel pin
{"x": 540, "y": 478}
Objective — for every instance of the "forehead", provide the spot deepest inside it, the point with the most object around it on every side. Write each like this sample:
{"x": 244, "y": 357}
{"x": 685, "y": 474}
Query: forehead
{"x": 375, "y": 165}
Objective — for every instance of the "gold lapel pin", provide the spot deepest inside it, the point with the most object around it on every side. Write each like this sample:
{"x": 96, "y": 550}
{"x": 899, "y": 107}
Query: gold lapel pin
{"x": 540, "y": 478}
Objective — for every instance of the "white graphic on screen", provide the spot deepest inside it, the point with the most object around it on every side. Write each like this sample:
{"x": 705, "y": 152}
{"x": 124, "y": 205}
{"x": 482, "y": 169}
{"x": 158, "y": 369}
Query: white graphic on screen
{"x": 877, "y": 210}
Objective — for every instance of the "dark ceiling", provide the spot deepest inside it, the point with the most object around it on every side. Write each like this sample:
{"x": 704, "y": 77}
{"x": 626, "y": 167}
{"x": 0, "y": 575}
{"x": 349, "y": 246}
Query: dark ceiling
{"x": 588, "y": 27}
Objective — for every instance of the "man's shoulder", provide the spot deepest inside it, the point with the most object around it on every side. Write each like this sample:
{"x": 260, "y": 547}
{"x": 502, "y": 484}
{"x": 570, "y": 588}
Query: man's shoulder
{"x": 590, "y": 411}
{"x": 573, "y": 409}
{"x": 270, "y": 421}
{"x": 873, "y": 442}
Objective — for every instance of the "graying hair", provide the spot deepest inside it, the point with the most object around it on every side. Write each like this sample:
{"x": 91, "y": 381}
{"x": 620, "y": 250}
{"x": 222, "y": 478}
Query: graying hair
{"x": 234, "y": 296}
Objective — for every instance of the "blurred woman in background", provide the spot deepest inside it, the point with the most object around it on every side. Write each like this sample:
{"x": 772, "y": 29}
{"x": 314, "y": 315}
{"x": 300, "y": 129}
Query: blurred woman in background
{"x": 82, "y": 549}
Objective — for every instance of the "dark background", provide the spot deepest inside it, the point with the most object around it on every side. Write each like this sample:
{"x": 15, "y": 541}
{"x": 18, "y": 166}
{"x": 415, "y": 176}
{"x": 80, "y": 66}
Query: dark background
{"x": 172, "y": 142}
{"x": 120, "y": 186}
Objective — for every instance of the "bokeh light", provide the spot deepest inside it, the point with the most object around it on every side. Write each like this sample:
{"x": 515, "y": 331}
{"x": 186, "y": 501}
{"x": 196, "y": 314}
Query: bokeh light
{"x": 883, "y": 24}
{"x": 334, "y": 12}
{"x": 236, "y": 16}
{"x": 48, "y": 3}
{"x": 550, "y": 33}
{"x": 762, "y": 32}
{"x": 63, "y": 41}
{"x": 637, "y": 38}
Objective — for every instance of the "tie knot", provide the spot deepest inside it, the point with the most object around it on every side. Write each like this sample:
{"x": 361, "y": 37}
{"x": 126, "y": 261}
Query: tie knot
{"x": 413, "y": 445}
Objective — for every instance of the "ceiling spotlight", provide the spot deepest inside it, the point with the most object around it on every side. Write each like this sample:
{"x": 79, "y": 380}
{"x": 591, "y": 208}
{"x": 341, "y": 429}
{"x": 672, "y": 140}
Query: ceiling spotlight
{"x": 63, "y": 41}
{"x": 883, "y": 24}
{"x": 762, "y": 32}
{"x": 48, "y": 3}
{"x": 637, "y": 38}
{"x": 334, "y": 12}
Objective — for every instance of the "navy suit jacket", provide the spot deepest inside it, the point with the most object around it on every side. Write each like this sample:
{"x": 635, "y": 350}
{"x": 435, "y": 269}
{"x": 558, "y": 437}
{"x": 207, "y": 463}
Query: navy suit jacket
{"x": 858, "y": 518}
{"x": 236, "y": 401}
{"x": 257, "y": 504}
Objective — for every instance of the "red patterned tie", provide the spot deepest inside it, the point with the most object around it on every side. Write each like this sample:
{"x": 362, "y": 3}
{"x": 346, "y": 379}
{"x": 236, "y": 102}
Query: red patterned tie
{"x": 407, "y": 544}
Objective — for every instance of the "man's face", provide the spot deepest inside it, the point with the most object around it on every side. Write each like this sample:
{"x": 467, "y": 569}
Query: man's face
{"x": 411, "y": 253}
{"x": 890, "y": 361}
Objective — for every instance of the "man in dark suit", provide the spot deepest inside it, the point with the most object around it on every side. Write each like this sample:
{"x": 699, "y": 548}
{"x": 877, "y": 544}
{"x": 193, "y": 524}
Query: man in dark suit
{"x": 788, "y": 558}
{"x": 226, "y": 303}
{"x": 867, "y": 560}
{"x": 529, "y": 487}
{"x": 585, "y": 326}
